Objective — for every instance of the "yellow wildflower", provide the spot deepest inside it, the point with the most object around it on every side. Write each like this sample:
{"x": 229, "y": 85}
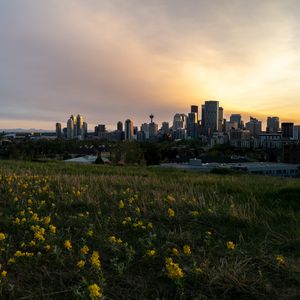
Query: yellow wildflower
{"x": 230, "y": 245}
{"x": 52, "y": 228}
{"x": 170, "y": 199}
{"x": 47, "y": 220}
{"x": 2, "y": 236}
{"x": 175, "y": 251}
{"x": 121, "y": 204}
{"x": 280, "y": 259}
{"x": 47, "y": 247}
{"x": 137, "y": 210}
{"x": 17, "y": 221}
{"x": 68, "y": 245}
{"x": 151, "y": 252}
{"x": 95, "y": 291}
{"x": 173, "y": 269}
{"x": 35, "y": 217}
{"x": 198, "y": 270}
{"x": 32, "y": 243}
{"x": 80, "y": 264}
{"x": 90, "y": 233}
{"x": 11, "y": 261}
{"x": 114, "y": 240}
{"x": 195, "y": 213}
{"x": 4, "y": 273}
{"x": 95, "y": 261}
{"x": 187, "y": 250}
{"x": 84, "y": 250}
{"x": 171, "y": 213}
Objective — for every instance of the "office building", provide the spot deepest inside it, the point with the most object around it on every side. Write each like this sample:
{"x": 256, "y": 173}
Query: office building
{"x": 58, "y": 130}
{"x": 84, "y": 130}
{"x": 210, "y": 117}
{"x": 220, "y": 119}
{"x": 79, "y": 124}
{"x": 153, "y": 129}
{"x": 194, "y": 109}
{"x": 192, "y": 125}
{"x": 287, "y": 129}
{"x": 238, "y": 119}
{"x": 254, "y": 126}
{"x": 165, "y": 127}
{"x": 179, "y": 121}
{"x": 145, "y": 130}
{"x": 70, "y": 128}
{"x": 120, "y": 126}
{"x": 296, "y": 132}
{"x": 272, "y": 125}
{"x": 128, "y": 130}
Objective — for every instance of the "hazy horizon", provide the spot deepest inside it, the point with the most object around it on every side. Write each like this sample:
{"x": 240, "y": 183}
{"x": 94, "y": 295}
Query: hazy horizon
{"x": 113, "y": 60}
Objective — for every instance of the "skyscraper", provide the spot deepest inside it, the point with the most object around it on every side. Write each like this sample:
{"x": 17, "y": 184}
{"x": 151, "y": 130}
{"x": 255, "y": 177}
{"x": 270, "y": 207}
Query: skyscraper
{"x": 84, "y": 130}
{"x": 236, "y": 118}
{"x": 194, "y": 109}
{"x": 211, "y": 117}
{"x": 220, "y": 119}
{"x": 179, "y": 121}
{"x": 79, "y": 124}
{"x": 58, "y": 130}
{"x": 70, "y": 128}
{"x": 287, "y": 129}
{"x": 120, "y": 126}
{"x": 165, "y": 127}
{"x": 128, "y": 129}
{"x": 254, "y": 126}
{"x": 272, "y": 124}
{"x": 192, "y": 125}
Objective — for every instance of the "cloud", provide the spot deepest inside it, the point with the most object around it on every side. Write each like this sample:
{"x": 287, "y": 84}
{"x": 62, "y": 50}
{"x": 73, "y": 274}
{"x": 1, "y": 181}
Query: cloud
{"x": 110, "y": 60}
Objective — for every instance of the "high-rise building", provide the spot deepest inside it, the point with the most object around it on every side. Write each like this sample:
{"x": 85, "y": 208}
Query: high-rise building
{"x": 272, "y": 124}
{"x": 231, "y": 126}
{"x": 58, "y": 130}
{"x": 84, "y": 130}
{"x": 194, "y": 109}
{"x": 296, "y": 132}
{"x": 238, "y": 119}
{"x": 65, "y": 132}
{"x": 120, "y": 126}
{"x": 79, "y": 124}
{"x": 220, "y": 119}
{"x": 70, "y": 128}
{"x": 254, "y": 126}
{"x": 145, "y": 130}
{"x": 128, "y": 130}
{"x": 211, "y": 117}
{"x": 165, "y": 127}
{"x": 179, "y": 121}
{"x": 287, "y": 129}
{"x": 192, "y": 125}
{"x": 153, "y": 129}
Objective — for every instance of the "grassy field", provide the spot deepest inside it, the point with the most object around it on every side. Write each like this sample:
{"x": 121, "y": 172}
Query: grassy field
{"x": 91, "y": 232}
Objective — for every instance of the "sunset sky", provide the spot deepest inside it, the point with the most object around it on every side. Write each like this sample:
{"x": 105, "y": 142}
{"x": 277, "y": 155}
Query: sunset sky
{"x": 116, "y": 59}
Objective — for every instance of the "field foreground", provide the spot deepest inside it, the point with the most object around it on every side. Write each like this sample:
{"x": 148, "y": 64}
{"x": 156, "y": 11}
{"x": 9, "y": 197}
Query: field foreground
{"x": 101, "y": 232}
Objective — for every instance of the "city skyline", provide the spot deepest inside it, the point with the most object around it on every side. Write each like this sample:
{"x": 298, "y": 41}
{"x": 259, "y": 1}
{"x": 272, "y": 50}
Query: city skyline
{"x": 116, "y": 60}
